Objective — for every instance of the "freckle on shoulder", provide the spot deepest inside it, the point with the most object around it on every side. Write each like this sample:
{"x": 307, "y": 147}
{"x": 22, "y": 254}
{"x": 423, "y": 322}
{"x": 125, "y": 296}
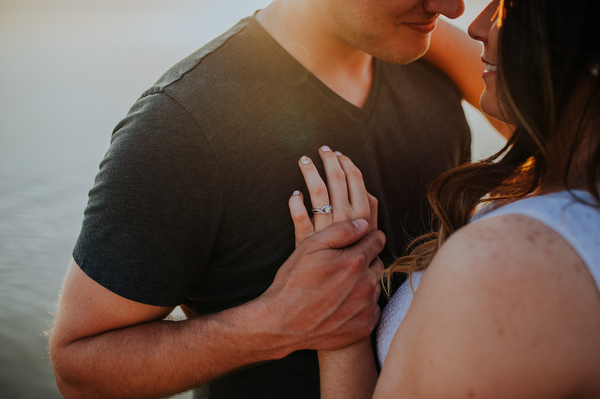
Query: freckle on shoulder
{"x": 502, "y": 238}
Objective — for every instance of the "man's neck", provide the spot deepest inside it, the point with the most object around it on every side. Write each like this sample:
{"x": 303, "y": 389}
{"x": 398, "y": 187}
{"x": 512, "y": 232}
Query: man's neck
{"x": 345, "y": 69}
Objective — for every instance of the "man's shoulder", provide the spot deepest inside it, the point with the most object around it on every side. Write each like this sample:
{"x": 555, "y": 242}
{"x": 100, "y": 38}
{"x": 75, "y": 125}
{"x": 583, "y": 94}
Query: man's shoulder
{"x": 219, "y": 51}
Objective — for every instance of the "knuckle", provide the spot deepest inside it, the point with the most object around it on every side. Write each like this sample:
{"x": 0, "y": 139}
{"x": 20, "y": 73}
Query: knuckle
{"x": 377, "y": 292}
{"x": 355, "y": 173}
{"x": 373, "y": 287}
{"x": 353, "y": 268}
{"x": 298, "y": 215}
{"x": 377, "y": 265}
{"x": 367, "y": 254}
{"x": 346, "y": 162}
{"x": 374, "y": 201}
{"x": 360, "y": 259}
{"x": 379, "y": 240}
{"x": 337, "y": 175}
{"x": 366, "y": 293}
{"x": 363, "y": 213}
{"x": 341, "y": 230}
{"x": 367, "y": 284}
{"x": 341, "y": 215}
{"x": 319, "y": 189}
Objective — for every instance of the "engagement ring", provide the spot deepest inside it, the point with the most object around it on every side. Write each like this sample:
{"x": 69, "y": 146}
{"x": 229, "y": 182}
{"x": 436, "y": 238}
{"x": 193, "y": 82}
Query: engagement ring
{"x": 324, "y": 210}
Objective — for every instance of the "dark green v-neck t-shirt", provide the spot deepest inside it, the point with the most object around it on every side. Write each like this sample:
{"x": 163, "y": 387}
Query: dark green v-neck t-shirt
{"x": 190, "y": 204}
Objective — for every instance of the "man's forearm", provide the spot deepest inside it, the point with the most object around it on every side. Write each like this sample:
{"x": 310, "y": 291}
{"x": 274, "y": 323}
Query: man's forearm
{"x": 162, "y": 358}
{"x": 323, "y": 297}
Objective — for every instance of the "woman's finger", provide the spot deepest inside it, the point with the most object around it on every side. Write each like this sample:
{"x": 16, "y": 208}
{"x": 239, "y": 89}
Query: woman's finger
{"x": 319, "y": 196}
{"x": 373, "y": 204}
{"x": 357, "y": 192}
{"x": 303, "y": 226}
{"x": 336, "y": 184}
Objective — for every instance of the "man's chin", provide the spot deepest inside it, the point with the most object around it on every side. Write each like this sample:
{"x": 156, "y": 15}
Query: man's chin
{"x": 407, "y": 55}
{"x": 403, "y": 59}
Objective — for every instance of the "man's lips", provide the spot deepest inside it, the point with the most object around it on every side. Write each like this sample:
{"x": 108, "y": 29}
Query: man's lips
{"x": 423, "y": 27}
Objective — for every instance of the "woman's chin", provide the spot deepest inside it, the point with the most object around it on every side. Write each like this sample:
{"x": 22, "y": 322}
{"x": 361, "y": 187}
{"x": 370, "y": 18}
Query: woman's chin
{"x": 491, "y": 107}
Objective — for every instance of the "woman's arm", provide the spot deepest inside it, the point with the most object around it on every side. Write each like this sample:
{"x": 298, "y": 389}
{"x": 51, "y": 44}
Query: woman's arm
{"x": 459, "y": 57}
{"x": 506, "y": 309}
{"x": 350, "y": 372}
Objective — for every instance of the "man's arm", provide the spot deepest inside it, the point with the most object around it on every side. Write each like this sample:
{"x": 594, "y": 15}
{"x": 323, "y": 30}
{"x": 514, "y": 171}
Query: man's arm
{"x": 323, "y": 297}
{"x": 459, "y": 57}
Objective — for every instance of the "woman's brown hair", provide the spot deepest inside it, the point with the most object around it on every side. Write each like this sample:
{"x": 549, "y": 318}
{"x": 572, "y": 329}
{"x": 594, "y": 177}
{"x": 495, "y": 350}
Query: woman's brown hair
{"x": 548, "y": 53}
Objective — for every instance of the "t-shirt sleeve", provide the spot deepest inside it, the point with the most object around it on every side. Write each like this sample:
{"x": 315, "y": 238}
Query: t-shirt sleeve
{"x": 155, "y": 207}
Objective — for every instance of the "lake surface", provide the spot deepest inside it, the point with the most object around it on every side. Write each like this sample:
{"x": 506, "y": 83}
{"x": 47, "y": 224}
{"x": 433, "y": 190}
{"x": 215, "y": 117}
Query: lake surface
{"x": 70, "y": 70}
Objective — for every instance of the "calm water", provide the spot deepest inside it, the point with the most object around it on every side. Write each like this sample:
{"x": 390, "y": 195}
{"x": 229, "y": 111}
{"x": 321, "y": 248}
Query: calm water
{"x": 69, "y": 72}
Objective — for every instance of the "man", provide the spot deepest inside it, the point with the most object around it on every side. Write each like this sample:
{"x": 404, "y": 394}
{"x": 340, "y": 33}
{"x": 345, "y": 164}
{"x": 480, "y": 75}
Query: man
{"x": 189, "y": 206}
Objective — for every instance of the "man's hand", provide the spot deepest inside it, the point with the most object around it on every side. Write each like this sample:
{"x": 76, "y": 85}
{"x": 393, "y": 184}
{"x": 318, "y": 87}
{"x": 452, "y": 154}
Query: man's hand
{"x": 325, "y": 295}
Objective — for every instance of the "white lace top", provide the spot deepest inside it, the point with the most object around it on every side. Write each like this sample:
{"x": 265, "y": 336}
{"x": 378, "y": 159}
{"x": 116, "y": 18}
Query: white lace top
{"x": 577, "y": 223}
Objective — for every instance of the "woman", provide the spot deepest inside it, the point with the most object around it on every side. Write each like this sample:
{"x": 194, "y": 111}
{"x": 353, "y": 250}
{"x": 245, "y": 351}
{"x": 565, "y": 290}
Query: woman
{"x": 506, "y": 303}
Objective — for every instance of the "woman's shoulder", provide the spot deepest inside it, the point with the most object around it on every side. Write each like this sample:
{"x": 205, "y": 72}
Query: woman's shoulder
{"x": 506, "y": 247}
{"x": 538, "y": 226}
{"x": 506, "y": 309}
{"x": 548, "y": 238}
{"x": 540, "y": 242}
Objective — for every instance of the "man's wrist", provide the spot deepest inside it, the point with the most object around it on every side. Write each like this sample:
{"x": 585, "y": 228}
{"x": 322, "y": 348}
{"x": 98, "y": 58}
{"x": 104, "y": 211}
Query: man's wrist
{"x": 255, "y": 330}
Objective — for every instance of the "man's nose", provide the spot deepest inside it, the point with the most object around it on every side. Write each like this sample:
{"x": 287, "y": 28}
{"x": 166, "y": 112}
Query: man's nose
{"x": 450, "y": 8}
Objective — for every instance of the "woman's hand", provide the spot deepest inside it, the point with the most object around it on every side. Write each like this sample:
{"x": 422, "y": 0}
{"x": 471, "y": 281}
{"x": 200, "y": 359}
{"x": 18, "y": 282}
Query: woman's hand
{"x": 349, "y": 372}
{"x": 345, "y": 193}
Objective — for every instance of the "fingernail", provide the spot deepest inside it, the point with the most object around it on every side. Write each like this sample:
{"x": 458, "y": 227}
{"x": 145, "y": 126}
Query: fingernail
{"x": 325, "y": 148}
{"x": 360, "y": 223}
{"x": 337, "y": 153}
{"x": 296, "y": 192}
{"x": 304, "y": 160}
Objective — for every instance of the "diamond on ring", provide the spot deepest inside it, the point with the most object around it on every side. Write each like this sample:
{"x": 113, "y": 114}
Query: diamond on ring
{"x": 324, "y": 210}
